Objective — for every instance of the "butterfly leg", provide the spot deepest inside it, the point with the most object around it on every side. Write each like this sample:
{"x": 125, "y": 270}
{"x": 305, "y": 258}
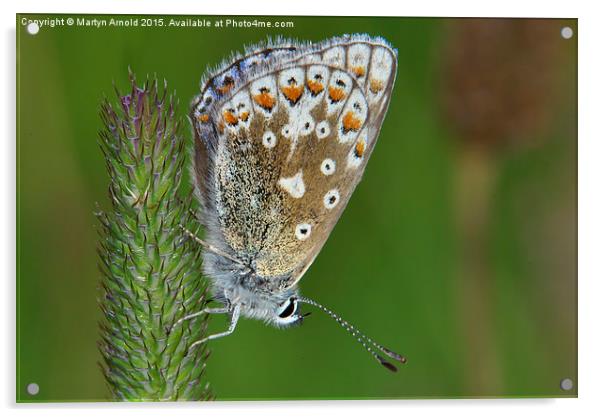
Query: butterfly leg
{"x": 233, "y": 320}
{"x": 209, "y": 310}
{"x": 210, "y": 247}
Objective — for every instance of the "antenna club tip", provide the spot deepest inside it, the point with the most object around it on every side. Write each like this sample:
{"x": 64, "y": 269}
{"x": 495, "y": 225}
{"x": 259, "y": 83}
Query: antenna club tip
{"x": 388, "y": 365}
{"x": 394, "y": 355}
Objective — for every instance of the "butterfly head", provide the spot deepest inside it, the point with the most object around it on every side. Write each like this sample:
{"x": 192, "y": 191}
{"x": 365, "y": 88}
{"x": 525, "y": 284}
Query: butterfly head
{"x": 277, "y": 308}
{"x": 274, "y": 310}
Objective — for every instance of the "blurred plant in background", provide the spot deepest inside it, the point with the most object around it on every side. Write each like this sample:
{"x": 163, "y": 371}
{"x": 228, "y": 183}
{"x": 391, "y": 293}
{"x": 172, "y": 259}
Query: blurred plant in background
{"x": 499, "y": 94}
{"x": 151, "y": 272}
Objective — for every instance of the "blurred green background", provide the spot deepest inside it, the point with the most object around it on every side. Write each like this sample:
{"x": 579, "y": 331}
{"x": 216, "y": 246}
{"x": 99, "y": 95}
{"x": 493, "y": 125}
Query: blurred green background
{"x": 458, "y": 248}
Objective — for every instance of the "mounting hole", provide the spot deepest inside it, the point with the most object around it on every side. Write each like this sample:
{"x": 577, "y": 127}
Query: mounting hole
{"x": 566, "y": 384}
{"x": 33, "y": 28}
{"x": 566, "y": 32}
{"x": 33, "y": 389}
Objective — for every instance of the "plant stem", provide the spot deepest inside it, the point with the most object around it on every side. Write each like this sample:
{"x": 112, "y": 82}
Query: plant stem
{"x": 151, "y": 271}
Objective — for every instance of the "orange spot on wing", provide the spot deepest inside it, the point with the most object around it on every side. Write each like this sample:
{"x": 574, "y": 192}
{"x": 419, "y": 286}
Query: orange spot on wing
{"x": 315, "y": 87}
{"x": 292, "y": 92}
{"x": 230, "y": 118}
{"x": 350, "y": 122}
{"x": 203, "y": 118}
{"x": 244, "y": 116}
{"x": 358, "y": 71}
{"x": 226, "y": 86}
{"x": 376, "y": 85}
{"x": 336, "y": 94}
{"x": 265, "y": 100}
{"x": 360, "y": 148}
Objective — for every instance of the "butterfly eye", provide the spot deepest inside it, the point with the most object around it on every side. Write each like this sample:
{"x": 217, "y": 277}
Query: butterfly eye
{"x": 289, "y": 309}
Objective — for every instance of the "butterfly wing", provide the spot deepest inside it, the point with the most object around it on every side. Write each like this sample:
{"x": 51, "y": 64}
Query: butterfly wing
{"x": 278, "y": 158}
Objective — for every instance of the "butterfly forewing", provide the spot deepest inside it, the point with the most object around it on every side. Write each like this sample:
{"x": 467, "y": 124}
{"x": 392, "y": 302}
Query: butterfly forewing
{"x": 284, "y": 150}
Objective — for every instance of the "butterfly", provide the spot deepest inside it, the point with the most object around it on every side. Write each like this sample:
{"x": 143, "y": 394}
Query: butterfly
{"x": 282, "y": 136}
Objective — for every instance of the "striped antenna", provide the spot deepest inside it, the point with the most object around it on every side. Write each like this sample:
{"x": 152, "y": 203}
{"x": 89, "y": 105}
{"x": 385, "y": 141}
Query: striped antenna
{"x": 365, "y": 341}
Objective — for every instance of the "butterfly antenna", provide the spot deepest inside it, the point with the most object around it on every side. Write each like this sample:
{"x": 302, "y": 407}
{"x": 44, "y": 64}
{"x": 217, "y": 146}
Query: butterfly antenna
{"x": 365, "y": 341}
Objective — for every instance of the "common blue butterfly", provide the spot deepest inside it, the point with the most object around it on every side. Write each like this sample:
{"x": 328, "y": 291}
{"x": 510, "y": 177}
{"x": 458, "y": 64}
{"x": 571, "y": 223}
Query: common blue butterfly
{"x": 282, "y": 137}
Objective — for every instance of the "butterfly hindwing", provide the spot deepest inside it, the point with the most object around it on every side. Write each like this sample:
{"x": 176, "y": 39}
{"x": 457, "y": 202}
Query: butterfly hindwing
{"x": 279, "y": 155}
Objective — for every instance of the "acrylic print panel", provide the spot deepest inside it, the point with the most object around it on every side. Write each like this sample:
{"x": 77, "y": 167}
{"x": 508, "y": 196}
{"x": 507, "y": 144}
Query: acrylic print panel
{"x": 167, "y": 160}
